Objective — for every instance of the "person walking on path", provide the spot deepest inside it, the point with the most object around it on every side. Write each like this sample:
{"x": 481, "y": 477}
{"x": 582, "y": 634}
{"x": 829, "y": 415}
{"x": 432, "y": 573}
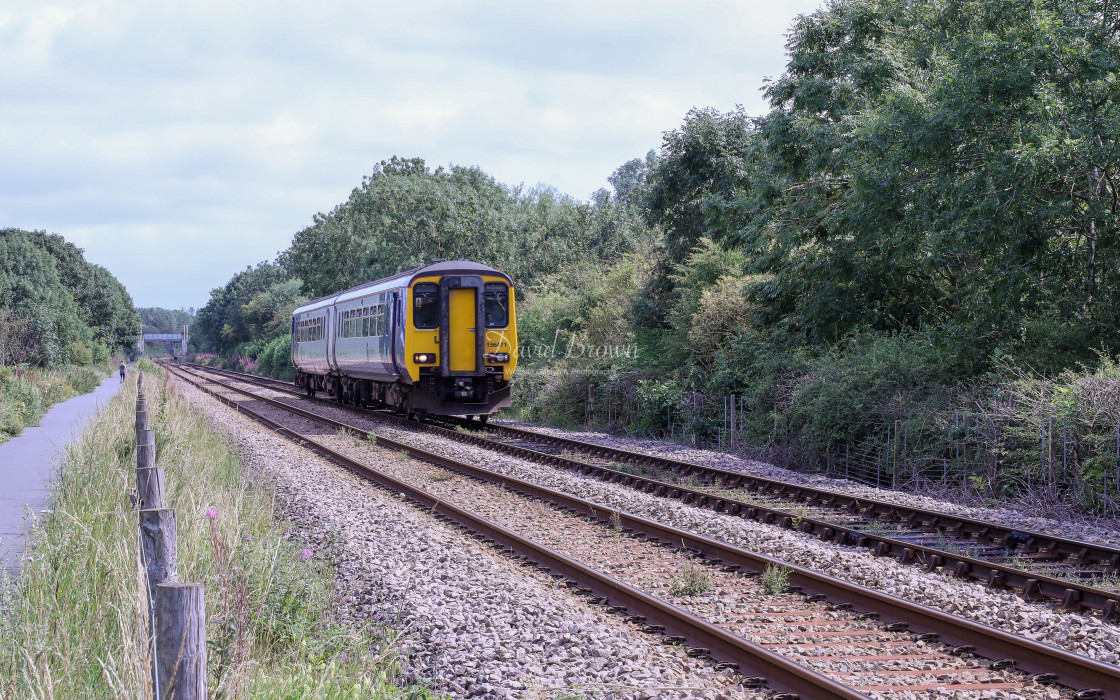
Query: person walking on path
{"x": 122, "y": 371}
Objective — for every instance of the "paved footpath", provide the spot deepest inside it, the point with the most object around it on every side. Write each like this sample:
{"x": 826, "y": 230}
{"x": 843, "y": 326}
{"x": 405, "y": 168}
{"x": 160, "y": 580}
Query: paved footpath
{"x": 27, "y": 462}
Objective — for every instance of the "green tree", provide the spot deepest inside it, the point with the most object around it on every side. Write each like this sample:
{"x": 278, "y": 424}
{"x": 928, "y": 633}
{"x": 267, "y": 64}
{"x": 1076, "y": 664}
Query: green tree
{"x": 269, "y": 313}
{"x": 942, "y": 166}
{"x": 220, "y": 325}
{"x": 73, "y": 311}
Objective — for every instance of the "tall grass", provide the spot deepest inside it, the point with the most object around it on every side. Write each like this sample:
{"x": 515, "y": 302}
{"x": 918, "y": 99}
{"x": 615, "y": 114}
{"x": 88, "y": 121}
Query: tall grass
{"x": 72, "y": 623}
{"x": 26, "y": 394}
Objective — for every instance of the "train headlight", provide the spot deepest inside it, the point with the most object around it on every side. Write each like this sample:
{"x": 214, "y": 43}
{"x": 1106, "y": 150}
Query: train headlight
{"x": 424, "y": 358}
{"x": 497, "y": 357}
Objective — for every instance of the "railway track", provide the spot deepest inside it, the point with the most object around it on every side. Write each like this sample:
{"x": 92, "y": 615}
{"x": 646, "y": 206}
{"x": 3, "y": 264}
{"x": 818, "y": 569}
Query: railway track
{"x": 835, "y": 639}
{"x": 1038, "y": 566}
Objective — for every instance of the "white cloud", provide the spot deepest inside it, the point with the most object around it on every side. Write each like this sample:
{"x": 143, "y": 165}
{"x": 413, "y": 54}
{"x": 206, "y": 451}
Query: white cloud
{"x": 179, "y": 142}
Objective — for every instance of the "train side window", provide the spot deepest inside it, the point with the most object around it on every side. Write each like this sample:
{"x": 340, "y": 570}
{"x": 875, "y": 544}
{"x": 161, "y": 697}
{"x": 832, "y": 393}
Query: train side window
{"x": 365, "y": 323}
{"x": 425, "y": 305}
{"x": 496, "y": 297}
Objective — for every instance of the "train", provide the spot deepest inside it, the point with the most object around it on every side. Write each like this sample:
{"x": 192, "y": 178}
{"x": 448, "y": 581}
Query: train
{"x": 440, "y": 339}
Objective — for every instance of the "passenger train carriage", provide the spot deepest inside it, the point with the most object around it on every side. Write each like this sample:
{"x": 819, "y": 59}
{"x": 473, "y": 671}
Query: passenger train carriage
{"x": 440, "y": 339}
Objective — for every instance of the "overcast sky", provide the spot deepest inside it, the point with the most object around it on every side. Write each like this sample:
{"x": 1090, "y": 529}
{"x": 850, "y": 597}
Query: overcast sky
{"x": 178, "y": 142}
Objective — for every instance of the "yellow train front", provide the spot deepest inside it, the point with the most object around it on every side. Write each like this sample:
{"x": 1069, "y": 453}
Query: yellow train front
{"x": 440, "y": 340}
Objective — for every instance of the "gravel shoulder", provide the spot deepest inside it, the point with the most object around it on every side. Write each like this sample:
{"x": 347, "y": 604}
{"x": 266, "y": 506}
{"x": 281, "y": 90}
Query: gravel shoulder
{"x": 477, "y": 623}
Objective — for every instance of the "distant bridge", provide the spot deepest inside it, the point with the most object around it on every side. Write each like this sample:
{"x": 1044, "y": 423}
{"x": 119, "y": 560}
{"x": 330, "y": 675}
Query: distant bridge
{"x": 168, "y": 339}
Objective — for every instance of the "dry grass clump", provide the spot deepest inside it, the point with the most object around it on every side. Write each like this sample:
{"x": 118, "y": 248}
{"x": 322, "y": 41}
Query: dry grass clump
{"x": 72, "y": 623}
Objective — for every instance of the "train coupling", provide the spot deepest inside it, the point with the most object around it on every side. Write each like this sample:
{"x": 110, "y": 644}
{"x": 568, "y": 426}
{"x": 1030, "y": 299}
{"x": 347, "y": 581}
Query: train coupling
{"x": 464, "y": 389}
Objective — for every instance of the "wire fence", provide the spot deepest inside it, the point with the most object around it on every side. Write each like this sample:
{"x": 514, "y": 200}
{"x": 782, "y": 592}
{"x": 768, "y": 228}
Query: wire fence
{"x": 991, "y": 454}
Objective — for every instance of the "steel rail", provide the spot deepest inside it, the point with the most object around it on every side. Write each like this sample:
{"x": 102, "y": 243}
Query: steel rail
{"x": 980, "y": 530}
{"x": 1032, "y": 586}
{"x": 774, "y": 670}
{"x": 961, "y": 635}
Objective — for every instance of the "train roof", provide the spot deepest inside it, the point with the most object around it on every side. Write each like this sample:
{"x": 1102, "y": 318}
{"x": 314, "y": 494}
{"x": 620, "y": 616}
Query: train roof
{"x": 443, "y": 267}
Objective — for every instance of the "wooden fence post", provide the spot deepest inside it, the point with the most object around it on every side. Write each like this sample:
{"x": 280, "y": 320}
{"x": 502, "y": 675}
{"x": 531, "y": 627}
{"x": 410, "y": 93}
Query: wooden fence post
{"x": 150, "y": 487}
{"x": 159, "y": 542}
{"x": 181, "y": 640}
{"x": 142, "y": 422}
{"x": 145, "y": 448}
{"x": 178, "y": 612}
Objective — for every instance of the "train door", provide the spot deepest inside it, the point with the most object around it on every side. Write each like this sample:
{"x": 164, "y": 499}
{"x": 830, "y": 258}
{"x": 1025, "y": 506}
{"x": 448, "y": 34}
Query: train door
{"x": 331, "y": 328}
{"x": 462, "y": 329}
{"x": 461, "y": 334}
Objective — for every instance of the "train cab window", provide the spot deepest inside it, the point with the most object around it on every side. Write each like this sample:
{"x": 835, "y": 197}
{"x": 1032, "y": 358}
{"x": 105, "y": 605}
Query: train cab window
{"x": 425, "y": 305}
{"x": 496, "y": 297}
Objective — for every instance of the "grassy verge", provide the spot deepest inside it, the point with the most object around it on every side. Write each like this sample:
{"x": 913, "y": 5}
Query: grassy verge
{"x": 72, "y": 623}
{"x": 26, "y": 394}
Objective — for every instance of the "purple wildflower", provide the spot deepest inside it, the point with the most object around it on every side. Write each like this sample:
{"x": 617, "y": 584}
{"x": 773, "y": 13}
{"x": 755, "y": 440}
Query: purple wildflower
{"x": 212, "y": 514}
{"x": 248, "y": 538}
{"x": 305, "y": 554}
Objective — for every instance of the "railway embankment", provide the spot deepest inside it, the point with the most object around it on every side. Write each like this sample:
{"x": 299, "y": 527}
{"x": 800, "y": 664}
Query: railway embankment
{"x": 1080, "y": 634}
{"x": 310, "y": 427}
{"x": 71, "y": 622}
{"x": 478, "y": 624}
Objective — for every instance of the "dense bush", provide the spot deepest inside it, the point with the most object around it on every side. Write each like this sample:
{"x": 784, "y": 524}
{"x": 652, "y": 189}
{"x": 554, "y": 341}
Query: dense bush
{"x": 276, "y": 359}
